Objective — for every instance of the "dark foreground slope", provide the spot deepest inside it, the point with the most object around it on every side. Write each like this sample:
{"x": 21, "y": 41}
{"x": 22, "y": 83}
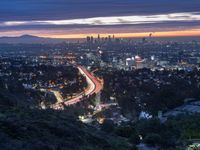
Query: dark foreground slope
{"x": 22, "y": 128}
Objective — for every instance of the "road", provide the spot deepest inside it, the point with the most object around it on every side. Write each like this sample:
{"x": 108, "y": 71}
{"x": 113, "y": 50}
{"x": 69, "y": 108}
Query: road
{"x": 58, "y": 96}
{"x": 94, "y": 86}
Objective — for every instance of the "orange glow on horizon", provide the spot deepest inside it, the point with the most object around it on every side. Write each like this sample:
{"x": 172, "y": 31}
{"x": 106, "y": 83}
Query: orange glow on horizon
{"x": 186, "y": 33}
{"x": 70, "y": 35}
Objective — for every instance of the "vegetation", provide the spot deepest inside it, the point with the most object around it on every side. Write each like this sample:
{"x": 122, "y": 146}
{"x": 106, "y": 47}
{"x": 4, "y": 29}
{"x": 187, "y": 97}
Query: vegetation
{"x": 24, "y": 82}
{"x": 35, "y": 129}
{"x": 175, "y": 133}
{"x": 47, "y": 129}
{"x": 149, "y": 91}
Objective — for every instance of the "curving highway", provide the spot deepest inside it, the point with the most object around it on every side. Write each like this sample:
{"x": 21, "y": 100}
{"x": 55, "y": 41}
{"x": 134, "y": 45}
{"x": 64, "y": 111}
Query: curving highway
{"x": 94, "y": 86}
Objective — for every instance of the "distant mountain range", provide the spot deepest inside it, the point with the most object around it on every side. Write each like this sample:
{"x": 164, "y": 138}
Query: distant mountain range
{"x": 30, "y": 39}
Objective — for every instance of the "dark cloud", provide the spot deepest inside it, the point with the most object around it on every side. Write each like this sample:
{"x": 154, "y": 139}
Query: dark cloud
{"x": 30, "y": 10}
{"x": 68, "y": 9}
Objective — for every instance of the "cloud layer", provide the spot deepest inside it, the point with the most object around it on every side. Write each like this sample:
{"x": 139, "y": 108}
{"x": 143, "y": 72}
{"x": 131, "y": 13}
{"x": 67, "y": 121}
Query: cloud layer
{"x": 105, "y": 15}
{"x": 117, "y": 20}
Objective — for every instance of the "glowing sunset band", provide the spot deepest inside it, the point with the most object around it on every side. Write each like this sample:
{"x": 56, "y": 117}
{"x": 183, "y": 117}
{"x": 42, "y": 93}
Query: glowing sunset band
{"x": 195, "y": 32}
{"x": 117, "y": 20}
{"x": 71, "y": 35}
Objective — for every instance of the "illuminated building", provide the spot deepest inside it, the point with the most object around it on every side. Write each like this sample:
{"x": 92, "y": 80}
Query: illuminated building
{"x": 139, "y": 62}
{"x": 129, "y": 62}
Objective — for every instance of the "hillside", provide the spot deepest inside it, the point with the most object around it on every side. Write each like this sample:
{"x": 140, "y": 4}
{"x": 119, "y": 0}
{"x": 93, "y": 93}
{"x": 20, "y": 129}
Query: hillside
{"x": 34, "y": 129}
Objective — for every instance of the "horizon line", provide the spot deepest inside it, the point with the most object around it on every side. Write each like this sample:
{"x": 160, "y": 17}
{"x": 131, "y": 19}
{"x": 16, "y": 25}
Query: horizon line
{"x": 159, "y": 34}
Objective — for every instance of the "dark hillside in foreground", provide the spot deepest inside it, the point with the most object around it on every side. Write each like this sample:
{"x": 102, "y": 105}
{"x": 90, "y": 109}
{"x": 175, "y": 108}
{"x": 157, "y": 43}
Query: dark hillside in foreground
{"x": 35, "y": 129}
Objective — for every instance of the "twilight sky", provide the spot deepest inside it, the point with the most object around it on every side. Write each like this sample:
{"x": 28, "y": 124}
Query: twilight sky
{"x": 78, "y": 18}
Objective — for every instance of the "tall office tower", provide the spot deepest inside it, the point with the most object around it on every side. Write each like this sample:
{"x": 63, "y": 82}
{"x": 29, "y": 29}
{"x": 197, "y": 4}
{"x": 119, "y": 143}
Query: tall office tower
{"x": 88, "y": 39}
{"x": 92, "y": 39}
{"x": 99, "y": 38}
{"x": 109, "y": 38}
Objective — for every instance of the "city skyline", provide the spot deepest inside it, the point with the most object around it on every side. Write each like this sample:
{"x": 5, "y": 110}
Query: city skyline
{"x": 77, "y": 19}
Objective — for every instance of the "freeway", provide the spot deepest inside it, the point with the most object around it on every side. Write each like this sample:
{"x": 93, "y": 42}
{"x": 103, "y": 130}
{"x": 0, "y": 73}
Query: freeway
{"x": 94, "y": 86}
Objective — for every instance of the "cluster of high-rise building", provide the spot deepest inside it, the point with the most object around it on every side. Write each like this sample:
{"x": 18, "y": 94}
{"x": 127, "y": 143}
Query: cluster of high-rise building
{"x": 91, "y": 39}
